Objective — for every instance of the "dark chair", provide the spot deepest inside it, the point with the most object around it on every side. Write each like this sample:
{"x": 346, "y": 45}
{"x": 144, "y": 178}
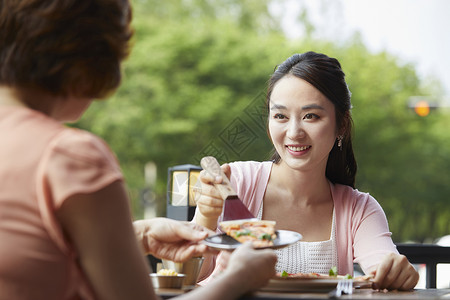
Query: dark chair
{"x": 428, "y": 254}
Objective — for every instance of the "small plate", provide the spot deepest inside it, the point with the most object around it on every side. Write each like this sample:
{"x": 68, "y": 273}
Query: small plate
{"x": 224, "y": 242}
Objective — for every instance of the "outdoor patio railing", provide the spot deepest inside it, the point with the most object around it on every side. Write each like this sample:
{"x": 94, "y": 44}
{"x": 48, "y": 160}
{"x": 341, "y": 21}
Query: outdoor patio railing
{"x": 427, "y": 254}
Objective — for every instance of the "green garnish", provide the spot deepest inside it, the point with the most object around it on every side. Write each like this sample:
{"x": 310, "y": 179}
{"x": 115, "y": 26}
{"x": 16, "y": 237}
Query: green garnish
{"x": 284, "y": 274}
{"x": 243, "y": 232}
{"x": 333, "y": 272}
{"x": 265, "y": 236}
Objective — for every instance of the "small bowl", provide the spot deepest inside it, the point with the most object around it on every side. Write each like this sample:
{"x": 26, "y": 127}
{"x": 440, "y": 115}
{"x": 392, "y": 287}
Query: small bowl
{"x": 190, "y": 268}
{"x": 167, "y": 281}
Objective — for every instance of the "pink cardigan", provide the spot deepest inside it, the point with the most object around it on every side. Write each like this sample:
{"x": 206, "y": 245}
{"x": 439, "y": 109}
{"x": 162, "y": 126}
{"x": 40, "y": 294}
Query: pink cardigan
{"x": 362, "y": 230}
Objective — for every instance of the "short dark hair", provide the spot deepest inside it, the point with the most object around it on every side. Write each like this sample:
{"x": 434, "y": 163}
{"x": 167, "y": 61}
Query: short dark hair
{"x": 326, "y": 75}
{"x": 64, "y": 47}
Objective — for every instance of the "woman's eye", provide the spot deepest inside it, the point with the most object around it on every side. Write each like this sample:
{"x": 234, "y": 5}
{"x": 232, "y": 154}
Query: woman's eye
{"x": 279, "y": 116}
{"x": 310, "y": 116}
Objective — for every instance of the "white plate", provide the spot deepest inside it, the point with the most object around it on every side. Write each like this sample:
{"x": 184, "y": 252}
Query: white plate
{"x": 292, "y": 284}
{"x": 224, "y": 242}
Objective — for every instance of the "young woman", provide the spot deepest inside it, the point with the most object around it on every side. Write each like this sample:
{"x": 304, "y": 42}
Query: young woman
{"x": 308, "y": 187}
{"x": 65, "y": 223}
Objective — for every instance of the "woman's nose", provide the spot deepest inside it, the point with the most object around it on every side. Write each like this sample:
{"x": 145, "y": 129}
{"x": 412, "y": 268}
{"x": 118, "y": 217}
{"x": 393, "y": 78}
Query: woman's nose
{"x": 295, "y": 130}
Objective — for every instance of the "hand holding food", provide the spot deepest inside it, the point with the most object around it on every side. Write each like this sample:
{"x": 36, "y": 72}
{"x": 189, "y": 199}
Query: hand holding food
{"x": 171, "y": 239}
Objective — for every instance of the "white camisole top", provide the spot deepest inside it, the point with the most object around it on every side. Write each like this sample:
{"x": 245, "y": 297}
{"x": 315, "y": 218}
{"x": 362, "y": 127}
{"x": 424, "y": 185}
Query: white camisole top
{"x": 308, "y": 257}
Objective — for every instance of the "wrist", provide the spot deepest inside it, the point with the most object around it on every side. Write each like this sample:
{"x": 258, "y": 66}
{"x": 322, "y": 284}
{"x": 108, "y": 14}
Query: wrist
{"x": 229, "y": 285}
{"x": 234, "y": 280}
{"x": 208, "y": 222}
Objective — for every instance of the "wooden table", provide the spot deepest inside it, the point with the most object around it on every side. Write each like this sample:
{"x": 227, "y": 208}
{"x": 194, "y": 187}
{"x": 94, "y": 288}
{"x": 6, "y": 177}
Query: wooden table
{"x": 359, "y": 294}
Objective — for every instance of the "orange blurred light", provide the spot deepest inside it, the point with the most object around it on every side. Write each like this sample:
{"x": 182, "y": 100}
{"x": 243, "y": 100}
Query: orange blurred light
{"x": 422, "y": 108}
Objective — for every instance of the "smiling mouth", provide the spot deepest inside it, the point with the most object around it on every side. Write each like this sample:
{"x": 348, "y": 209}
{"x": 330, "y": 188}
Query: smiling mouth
{"x": 297, "y": 149}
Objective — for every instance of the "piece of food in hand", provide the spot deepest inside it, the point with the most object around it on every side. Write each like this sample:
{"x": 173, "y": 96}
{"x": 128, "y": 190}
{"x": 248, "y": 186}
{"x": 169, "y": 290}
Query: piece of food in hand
{"x": 260, "y": 232}
{"x": 167, "y": 272}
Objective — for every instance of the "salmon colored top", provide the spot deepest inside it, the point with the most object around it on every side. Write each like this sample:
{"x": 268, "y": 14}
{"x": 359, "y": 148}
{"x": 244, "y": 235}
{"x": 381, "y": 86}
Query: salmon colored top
{"x": 362, "y": 231}
{"x": 42, "y": 164}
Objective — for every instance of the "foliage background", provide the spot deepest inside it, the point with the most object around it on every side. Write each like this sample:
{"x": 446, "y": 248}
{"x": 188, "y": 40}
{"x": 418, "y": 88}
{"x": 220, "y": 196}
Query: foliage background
{"x": 195, "y": 85}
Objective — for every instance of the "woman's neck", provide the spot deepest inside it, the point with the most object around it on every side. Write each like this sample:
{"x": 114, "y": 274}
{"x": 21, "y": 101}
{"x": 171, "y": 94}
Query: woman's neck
{"x": 9, "y": 97}
{"x": 62, "y": 109}
{"x": 310, "y": 186}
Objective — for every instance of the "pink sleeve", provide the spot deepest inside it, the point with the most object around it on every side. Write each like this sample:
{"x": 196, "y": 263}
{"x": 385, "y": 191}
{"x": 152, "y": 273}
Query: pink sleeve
{"x": 372, "y": 239}
{"x": 75, "y": 162}
{"x": 79, "y": 163}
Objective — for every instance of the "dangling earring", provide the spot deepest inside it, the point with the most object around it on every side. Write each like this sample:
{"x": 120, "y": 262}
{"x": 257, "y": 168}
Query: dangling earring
{"x": 340, "y": 138}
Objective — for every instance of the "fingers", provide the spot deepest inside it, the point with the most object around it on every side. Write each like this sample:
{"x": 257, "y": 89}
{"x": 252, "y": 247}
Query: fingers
{"x": 178, "y": 252}
{"x": 395, "y": 272}
{"x": 226, "y": 169}
{"x": 247, "y": 249}
{"x": 208, "y": 199}
{"x": 209, "y": 193}
{"x": 382, "y": 272}
{"x": 411, "y": 281}
{"x": 207, "y": 185}
{"x": 198, "y": 227}
{"x": 191, "y": 251}
{"x": 190, "y": 232}
{"x": 408, "y": 276}
{"x": 207, "y": 178}
{"x": 209, "y": 202}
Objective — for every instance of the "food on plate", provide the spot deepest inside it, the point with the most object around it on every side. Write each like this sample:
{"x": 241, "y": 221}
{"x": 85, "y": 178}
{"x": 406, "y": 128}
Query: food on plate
{"x": 167, "y": 272}
{"x": 332, "y": 274}
{"x": 366, "y": 278}
{"x": 260, "y": 232}
{"x": 311, "y": 275}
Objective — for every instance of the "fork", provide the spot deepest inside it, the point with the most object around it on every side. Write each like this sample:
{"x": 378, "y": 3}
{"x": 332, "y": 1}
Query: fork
{"x": 344, "y": 286}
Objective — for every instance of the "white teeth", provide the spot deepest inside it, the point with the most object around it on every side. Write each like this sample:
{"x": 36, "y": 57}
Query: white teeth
{"x": 298, "y": 148}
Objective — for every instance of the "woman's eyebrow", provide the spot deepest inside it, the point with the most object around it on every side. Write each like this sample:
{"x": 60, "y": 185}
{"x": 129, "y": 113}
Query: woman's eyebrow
{"x": 313, "y": 106}
{"x": 306, "y": 107}
{"x": 278, "y": 106}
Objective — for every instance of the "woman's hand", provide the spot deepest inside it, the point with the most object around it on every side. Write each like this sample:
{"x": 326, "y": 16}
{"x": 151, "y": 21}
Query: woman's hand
{"x": 246, "y": 269}
{"x": 257, "y": 266}
{"x": 208, "y": 199}
{"x": 395, "y": 273}
{"x": 171, "y": 239}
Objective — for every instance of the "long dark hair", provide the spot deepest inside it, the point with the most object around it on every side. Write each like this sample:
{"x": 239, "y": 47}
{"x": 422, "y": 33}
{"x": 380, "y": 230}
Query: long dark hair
{"x": 326, "y": 75}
